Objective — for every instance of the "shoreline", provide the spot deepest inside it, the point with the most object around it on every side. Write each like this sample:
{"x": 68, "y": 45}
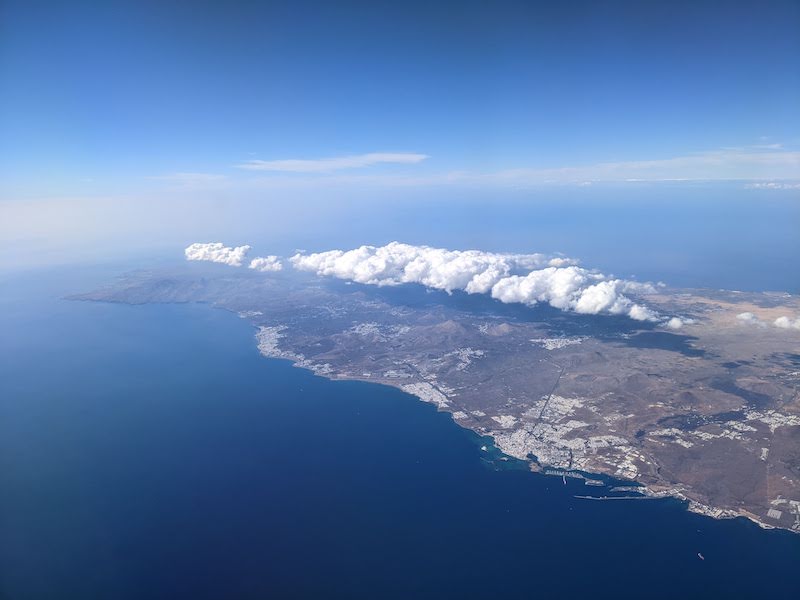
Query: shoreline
{"x": 272, "y": 351}
{"x": 268, "y": 348}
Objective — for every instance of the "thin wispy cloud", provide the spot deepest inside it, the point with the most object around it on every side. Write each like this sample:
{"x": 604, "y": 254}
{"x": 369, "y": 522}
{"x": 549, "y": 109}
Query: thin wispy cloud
{"x": 189, "y": 178}
{"x": 336, "y": 163}
{"x": 729, "y": 164}
{"x": 716, "y": 165}
{"x": 757, "y": 167}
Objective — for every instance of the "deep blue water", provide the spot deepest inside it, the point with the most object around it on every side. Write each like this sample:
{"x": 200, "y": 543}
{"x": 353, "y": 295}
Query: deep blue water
{"x": 150, "y": 452}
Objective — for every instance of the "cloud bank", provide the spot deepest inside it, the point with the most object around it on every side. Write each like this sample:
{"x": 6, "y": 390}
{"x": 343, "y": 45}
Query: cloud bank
{"x": 266, "y": 264}
{"x": 325, "y": 165}
{"x": 217, "y": 252}
{"x": 473, "y": 271}
{"x": 511, "y": 278}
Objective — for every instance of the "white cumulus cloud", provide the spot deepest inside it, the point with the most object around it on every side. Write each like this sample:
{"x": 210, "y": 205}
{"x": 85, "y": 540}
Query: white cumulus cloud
{"x": 217, "y": 252}
{"x": 473, "y": 271}
{"x": 572, "y": 288}
{"x": 750, "y": 319}
{"x": 787, "y": 323}
{"x": 510, "y": 278}
{"x": 780, "y": 322}
{"x": 677, "y": 322}
{"x": 266, "y": 264}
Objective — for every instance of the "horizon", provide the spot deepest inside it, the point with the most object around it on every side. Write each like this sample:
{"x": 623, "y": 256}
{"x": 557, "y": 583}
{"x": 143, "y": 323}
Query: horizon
{"x": 143, "y": 126}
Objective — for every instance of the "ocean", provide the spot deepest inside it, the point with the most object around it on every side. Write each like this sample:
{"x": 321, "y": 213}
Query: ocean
{"x": 151, "y": 452}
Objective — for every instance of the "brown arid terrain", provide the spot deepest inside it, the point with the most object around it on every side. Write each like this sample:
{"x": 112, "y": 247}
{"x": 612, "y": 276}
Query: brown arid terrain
{"x": 705, "y": 409}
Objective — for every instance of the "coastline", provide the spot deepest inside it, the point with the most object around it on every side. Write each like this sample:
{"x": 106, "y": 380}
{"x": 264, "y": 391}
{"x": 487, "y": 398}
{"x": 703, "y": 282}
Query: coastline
{"x": 267, "y": 339}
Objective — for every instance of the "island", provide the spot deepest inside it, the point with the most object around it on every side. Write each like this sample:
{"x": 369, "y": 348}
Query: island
{"x": 707, "y": 411}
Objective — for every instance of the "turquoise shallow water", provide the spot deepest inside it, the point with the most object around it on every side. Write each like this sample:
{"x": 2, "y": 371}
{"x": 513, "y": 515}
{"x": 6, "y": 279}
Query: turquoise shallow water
{"x": 150, "y": 452}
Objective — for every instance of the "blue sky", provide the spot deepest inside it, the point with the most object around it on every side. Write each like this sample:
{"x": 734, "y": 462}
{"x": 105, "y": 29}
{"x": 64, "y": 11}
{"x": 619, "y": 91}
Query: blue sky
{"x": 121, "y": 113}
{"x": 115, "y": 91}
